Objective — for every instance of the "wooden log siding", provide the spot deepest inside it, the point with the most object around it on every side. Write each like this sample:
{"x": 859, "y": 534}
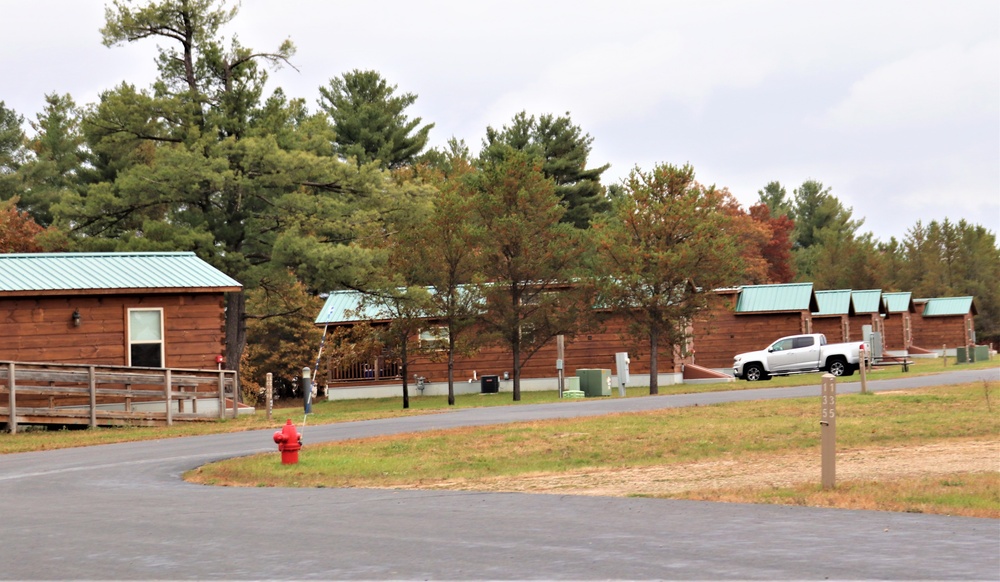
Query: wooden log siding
{"x": 944, "y": 330}
{"x": 68, "y": 394}
{"x": 720, "y": 334}
{"x": 40, "y": 329}
{"x": 595, "y": 349}
{"x": 832, "y": 327}
{"x": 894, "y": 335}
{"x": 862, "y": 319}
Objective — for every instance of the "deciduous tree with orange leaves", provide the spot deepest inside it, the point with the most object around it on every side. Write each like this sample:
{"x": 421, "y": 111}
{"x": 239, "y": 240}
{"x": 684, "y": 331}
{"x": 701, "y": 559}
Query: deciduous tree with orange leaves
{"x": 20, "y": 234}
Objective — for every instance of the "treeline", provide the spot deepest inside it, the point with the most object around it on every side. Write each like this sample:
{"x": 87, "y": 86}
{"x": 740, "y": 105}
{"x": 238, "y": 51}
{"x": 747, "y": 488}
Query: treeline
{"x": 295, "y": 202}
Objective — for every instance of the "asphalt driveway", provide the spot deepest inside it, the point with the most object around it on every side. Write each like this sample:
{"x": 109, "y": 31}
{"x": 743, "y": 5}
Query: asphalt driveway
{"x": 122, "y": 512}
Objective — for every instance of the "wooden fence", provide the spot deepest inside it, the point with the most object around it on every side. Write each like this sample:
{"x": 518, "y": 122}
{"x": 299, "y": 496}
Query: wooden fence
{"x": 64, "y": 394}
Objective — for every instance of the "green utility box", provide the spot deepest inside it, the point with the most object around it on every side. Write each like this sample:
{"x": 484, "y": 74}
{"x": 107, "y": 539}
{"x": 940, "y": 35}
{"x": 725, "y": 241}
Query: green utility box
{"x": 595, "y": 381}
{"x": 976, "y": 354}
{"x": 571, "y": 387}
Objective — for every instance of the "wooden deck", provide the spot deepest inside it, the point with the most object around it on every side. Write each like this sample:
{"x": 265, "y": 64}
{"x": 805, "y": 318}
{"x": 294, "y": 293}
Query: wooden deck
{"x": 67, "y": 394}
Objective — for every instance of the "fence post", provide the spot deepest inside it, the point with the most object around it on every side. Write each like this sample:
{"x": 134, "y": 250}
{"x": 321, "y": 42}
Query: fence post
{"x": 269, "y": 384}
{"x": 864, "y": 367}
{"x": 236, "y": 394}
{"x": 167, "y": 395}
{"x": 222, "y": 394}
{"x": 12, "y": 400}
{"x": 92, "y": 384}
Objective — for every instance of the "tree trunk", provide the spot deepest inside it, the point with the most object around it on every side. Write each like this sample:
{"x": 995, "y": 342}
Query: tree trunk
{"x": 517, "y": 371}
{"x": 236, "y": 331}
{"x": 406, "y": 387}
{"x": 654, "y": 340}
{"x": 451, "y": 369}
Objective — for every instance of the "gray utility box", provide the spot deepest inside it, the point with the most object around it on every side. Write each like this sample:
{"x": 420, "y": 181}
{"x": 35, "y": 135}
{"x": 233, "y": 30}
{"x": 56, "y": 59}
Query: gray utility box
{"x": 489, "y": 384}
{"x": 595, "y": 381}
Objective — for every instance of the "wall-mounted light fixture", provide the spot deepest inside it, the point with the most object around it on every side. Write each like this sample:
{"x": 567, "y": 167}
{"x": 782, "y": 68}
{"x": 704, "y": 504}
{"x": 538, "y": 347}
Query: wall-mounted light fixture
{"x": 76, "y": 318}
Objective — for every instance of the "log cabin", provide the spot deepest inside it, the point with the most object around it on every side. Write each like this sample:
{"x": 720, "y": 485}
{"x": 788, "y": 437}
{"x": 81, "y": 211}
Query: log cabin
{"x": 833, "y": 319}
{"x": 869, "y": 309}
{"x": 944, "y": 322}
{"x": 379, "y": 374}
{"x": 749, "y": 318}
{"x": 153, "y": 309}
{"x": 897, "y": 335}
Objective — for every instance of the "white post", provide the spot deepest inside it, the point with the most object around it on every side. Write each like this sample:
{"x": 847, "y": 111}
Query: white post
{"x": 269, "y": 383}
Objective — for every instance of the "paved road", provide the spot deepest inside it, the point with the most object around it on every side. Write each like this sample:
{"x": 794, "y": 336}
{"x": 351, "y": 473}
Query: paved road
{"x": 122, "y": 512}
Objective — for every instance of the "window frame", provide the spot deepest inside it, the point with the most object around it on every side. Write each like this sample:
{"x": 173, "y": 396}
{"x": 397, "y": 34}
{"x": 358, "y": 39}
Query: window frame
{"x": 433, "y": 338}
{"x": 129, "y": 342}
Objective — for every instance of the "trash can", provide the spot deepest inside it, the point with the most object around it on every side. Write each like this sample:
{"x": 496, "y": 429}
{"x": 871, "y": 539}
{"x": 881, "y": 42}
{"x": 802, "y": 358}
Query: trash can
{"x": 489, "y": 384}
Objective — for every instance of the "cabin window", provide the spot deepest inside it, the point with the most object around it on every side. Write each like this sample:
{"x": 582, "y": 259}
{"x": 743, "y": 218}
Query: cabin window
{"x": 145, "y": 337}
{"x": 434, "y": 338}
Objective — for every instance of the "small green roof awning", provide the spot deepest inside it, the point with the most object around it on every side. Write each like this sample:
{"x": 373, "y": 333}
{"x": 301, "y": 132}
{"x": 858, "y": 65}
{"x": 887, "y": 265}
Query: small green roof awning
{"x": 835, "y": 302}
{"x": 782, "y": 297}
{"x": 945, "y": 306}
{"x": 868, "y": 301}
{"x": 899, "y": 302}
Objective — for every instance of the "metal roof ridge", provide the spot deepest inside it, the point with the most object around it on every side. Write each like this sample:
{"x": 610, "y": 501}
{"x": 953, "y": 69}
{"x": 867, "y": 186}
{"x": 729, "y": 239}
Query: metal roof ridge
{"x": 98, "y": 254}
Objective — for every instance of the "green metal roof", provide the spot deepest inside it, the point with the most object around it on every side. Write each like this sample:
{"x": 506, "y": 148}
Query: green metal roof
{"x": 346, "y": 307}
{"x": 899, "y": 302}
{"x": 836, "y": 302}
{"x": 350, "y": 307}
{"x": 868, "y": 301}
{"x": 781, "y": 297}
{"x": 50, "y": 273}
{"x": 942, "y": 306}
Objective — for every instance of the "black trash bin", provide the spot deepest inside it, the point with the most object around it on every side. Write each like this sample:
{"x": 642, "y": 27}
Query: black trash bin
{"x": 490, "y": 384}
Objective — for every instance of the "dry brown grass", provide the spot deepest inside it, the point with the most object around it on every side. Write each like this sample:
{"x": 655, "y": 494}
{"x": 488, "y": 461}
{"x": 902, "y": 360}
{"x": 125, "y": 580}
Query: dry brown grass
{"x": 897, "y": 478}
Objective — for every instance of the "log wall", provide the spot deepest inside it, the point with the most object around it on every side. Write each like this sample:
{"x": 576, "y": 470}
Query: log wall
{"x": 40, "y": 329}
{"x": 720, "y": 333}
{"x": 896, "y": 334}
{"x": 859, "y": 321}
{"x": 947, "y": 330}
{"x": 833, "y": 328}
{"x": 595, "y": 349}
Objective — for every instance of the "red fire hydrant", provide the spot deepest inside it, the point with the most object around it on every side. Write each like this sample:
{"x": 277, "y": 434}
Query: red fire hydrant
{"x": 289, "y": 442}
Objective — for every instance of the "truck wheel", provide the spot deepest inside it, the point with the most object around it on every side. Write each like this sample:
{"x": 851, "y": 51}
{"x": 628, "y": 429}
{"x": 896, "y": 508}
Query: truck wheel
{"x": 837, "y": 367}
{"x": 754, "y": 372}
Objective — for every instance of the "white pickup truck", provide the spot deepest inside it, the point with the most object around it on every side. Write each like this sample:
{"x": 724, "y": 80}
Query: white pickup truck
{"x": 799, "y": 353}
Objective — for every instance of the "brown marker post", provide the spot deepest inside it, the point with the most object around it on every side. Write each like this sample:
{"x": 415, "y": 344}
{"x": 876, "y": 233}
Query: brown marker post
{"x": 828, "y": 431}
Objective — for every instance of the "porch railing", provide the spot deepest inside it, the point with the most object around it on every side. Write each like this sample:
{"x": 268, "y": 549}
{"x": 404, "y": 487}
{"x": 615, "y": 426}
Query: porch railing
{"x": 48, "y": 393}
{"x": 379, "y": 369}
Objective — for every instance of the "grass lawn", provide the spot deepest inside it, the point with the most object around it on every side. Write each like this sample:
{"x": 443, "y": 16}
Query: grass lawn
{"x": 670, "y": 441}
{"x": 38, "y": 438}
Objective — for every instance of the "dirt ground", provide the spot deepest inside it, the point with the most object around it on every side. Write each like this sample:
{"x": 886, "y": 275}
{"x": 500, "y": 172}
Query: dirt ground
{"x": 875, "y": 463}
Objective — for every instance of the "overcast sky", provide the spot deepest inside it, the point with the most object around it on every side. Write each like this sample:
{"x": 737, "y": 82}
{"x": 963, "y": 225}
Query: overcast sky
{"x": 893, "y": 105}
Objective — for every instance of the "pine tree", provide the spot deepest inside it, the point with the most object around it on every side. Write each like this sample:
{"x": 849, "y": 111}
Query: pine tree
{"x": 563, "y": 150}
{"x": 370, "y": 122}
